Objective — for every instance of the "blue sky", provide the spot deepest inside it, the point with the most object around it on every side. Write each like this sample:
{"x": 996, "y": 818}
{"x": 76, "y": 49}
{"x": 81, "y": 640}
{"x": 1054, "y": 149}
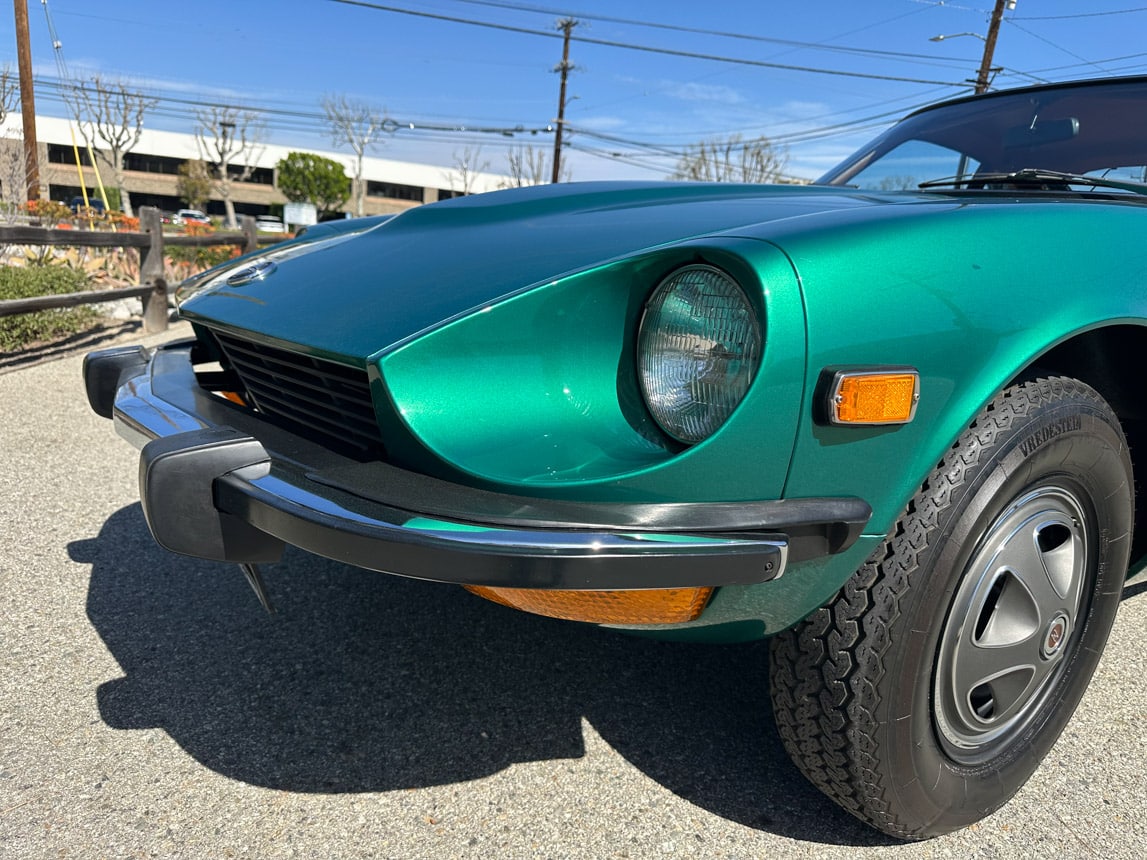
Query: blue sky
{"x": 821, "y": 76}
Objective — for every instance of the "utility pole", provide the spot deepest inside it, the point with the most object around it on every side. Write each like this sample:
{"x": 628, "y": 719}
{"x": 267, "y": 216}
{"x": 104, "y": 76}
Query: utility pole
{"x": 27, "y": 101}
{"x": 990, "y": 44}
{"x": 564, "y": 67}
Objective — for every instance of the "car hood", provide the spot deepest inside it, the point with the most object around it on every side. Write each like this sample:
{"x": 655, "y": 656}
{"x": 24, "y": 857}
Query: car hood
{"x": 353, "y": 295}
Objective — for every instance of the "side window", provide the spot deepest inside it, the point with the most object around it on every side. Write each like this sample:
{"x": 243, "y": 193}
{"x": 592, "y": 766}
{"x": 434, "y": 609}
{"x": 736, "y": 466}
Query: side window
{"x": 911, "y": 163}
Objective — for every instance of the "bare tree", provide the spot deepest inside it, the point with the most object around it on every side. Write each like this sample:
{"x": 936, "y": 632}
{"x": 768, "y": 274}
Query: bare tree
{"x": 528, "y": 165}
{"x": 231, "y": 140}
{"x": 732, "y": 159}
{"x": 897, "y": 183}
{"x": 360, "y": 126}
{"x": 466, "y": 169}
{"x": 110, "y": 118}
{"x": 13, "y": 175}
{"x": 7, "y": 92}
{"x": 13, "y": 167}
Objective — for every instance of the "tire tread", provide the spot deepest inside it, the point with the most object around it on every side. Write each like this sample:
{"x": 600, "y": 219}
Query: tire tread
{"x": 825, "y": 672}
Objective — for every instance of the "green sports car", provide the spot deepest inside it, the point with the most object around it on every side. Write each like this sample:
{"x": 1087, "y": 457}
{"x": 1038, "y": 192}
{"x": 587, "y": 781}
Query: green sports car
{"x": 889, "y": 420}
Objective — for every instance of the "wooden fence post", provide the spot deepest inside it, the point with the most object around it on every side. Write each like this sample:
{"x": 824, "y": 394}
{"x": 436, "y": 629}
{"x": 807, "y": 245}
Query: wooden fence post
{"x": 250, "y": 233}
{"x": 151, "y": 271}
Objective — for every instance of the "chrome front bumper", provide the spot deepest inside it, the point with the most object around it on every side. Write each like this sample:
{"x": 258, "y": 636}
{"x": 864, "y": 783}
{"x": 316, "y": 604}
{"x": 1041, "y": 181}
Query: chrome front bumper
{"x": 214, "y": 485}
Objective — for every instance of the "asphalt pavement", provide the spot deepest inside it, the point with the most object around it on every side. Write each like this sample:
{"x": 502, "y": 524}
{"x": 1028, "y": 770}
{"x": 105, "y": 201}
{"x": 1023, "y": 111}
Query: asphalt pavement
{"x": 150, "y": 708}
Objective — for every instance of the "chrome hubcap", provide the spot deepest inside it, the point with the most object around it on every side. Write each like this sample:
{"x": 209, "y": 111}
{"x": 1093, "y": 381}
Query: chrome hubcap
{"x": 1011, "y": 624}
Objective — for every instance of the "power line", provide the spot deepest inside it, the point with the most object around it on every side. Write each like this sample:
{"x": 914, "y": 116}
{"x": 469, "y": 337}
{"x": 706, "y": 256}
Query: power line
{"x": 694, "y": 55}
{"x": 63, "y": 87}
{"x": 1052, "y": 44}
{"x": 622, "y": 158}
{"x": 313, "y": 123}
{"x": 502, "y": 137}
{"x": 833, "y": 118}
{"x": 817, "y": 133}
{"x": 1100, "y": 64}
{"x": 787, "y": 43}
{"x": 1079, "y": 15}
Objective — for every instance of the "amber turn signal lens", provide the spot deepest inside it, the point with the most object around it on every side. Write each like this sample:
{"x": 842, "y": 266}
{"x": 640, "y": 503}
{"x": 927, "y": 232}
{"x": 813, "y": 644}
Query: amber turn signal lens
{"x": 650, "y": 606}
{"x": 868, "y": 397}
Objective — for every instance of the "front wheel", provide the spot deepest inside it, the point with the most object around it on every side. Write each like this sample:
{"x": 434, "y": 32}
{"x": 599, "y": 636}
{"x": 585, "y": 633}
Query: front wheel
{"x": 927, "y": 692}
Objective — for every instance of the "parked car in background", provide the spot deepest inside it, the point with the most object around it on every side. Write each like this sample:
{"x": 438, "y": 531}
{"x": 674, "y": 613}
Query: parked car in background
{"x": 892, "y": 420}
{"x": 269, "y": 224}
{"x": 191, "y": 216}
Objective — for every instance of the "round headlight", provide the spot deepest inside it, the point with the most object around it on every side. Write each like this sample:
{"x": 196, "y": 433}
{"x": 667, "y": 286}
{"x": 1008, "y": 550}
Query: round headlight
{"x": 698, "y": 350}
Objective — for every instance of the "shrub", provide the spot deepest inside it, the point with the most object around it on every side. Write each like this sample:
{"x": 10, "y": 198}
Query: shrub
{"x": 121, "y": 221}
{"x": 185, "y": 262}
{"x": 22, "y": 283}
{"x": 48, "y": 211}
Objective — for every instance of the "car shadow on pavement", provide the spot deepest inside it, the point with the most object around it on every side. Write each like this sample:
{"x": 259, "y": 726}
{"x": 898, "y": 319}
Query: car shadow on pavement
{"x": 364, "y": 682}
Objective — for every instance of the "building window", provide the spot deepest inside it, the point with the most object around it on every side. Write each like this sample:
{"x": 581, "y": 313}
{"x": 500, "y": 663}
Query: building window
{"x": 66, "y": 193}
{"x": 145, "y": 163}
{"x": 60, "y": 154}
{"x": 394, "y": 191}
{"x": 259, "y": 175}
{"x": 262, "y": 176}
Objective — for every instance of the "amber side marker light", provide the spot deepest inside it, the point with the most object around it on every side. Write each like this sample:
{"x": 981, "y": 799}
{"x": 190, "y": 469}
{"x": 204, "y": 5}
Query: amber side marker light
{"x": 647, "y": 606}
{"x": 874, "y": 396}
{"x": 233, "y": 396}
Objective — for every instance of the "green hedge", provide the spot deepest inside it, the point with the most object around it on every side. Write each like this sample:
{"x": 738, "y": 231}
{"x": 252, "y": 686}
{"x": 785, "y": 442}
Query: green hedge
{"x": 24, "y": 283}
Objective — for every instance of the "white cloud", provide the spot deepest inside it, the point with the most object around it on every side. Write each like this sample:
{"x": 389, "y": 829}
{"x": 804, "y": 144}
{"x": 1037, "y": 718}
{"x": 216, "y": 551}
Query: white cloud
{"x": 694, "y": 92}
{"x": 600, "y": 123}
{"x": 803, "y": 109}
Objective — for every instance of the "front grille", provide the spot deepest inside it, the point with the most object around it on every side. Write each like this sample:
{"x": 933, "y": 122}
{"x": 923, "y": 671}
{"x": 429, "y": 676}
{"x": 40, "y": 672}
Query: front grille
{"x": 319, "y": 399}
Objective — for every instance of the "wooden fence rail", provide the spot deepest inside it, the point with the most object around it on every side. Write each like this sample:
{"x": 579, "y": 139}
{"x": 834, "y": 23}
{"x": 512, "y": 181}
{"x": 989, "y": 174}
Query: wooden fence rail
{"x": 151, "y": 241}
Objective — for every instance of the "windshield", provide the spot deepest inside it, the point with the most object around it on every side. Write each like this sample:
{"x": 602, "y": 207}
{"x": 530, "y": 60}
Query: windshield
{"x": 1088, "y": 128}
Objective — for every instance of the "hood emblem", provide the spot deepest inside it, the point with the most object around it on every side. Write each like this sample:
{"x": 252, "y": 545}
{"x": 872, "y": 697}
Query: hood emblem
{"x": 259, "y": 271}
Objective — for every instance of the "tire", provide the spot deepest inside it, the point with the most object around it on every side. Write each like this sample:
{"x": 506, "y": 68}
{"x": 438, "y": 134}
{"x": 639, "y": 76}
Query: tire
{"x": 928, "y": 691}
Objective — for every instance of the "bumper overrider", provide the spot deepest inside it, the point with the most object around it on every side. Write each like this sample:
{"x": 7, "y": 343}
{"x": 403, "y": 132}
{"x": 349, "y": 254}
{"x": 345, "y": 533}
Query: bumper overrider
{"x": 223, "y": 483}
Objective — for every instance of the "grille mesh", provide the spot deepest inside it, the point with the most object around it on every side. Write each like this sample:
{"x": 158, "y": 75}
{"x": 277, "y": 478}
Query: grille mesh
{"x": 318, "y": 398}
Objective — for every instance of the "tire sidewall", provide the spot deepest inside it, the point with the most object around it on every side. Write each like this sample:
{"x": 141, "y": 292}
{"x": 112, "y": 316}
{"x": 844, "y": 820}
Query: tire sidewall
{"x": 1071, "y": 441}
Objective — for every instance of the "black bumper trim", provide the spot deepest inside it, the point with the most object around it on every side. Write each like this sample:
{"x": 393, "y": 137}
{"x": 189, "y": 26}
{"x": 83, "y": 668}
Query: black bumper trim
{"x": 374, "y": 537}
{"x": 815, "y": 526}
